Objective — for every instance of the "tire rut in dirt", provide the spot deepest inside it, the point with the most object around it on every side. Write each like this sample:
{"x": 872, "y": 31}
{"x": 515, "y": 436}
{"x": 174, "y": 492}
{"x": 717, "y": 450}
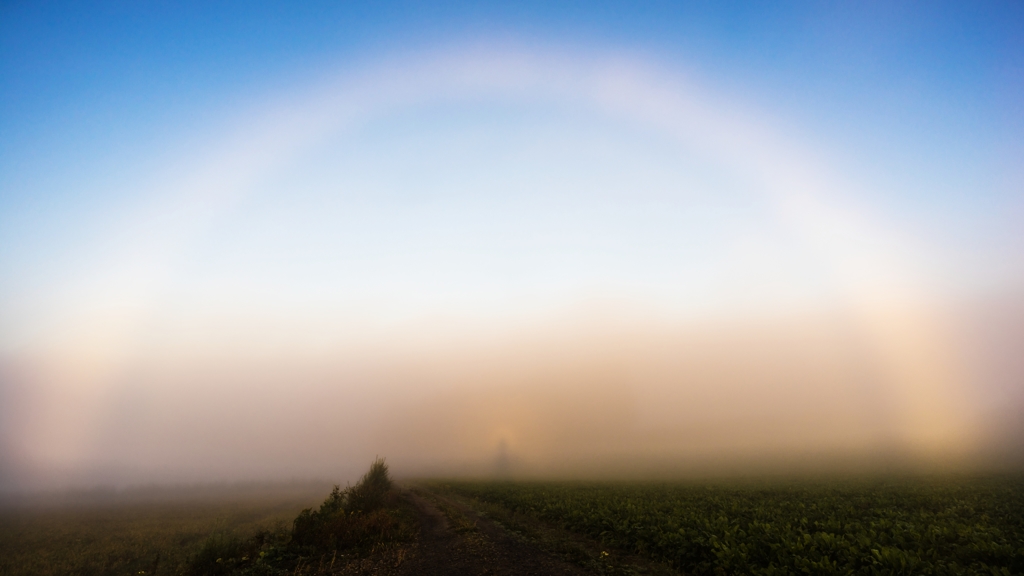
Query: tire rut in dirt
{"x": 441, "y": 550}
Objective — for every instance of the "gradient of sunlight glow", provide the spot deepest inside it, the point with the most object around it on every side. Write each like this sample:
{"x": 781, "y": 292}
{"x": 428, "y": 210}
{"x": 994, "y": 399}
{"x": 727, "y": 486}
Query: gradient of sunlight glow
{"x": 498, "y": 232}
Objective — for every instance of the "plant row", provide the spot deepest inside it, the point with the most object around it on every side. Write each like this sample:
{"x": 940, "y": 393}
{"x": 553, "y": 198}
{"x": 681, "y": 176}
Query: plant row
{"x": 893, "y": 527}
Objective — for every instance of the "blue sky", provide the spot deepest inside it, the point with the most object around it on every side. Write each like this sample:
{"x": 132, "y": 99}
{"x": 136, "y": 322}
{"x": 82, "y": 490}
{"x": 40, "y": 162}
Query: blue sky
{"x": 111, "y": 62}
{"x": 929, "y": 89}
{"x": 212, "y": 186}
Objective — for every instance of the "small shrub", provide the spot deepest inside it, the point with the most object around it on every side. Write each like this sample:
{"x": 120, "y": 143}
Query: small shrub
{"x": 351, "y": 518}
{"x": 372, "y": 490}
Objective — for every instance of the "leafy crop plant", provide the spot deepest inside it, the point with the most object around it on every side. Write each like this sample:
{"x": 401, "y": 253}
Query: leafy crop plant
{"x": 891, "y": 527}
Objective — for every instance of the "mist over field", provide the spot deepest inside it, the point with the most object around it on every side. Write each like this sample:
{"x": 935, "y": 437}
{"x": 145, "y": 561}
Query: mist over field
{"x": 539, "y": 249}
{"x": 589, "y": 396}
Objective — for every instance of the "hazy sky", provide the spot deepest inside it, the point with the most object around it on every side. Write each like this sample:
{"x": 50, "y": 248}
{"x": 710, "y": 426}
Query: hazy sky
{"x": 261, "y": 241}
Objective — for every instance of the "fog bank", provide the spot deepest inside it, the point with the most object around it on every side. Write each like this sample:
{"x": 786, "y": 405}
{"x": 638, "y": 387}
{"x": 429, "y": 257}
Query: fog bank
{"x": 591, "y": 396}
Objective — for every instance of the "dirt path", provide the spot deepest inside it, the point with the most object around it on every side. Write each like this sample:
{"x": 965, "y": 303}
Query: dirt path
{"x": 454, "y": 540}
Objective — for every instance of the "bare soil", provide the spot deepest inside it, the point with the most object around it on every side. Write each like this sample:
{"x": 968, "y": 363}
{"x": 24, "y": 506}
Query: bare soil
{"x": 455, "y": 540}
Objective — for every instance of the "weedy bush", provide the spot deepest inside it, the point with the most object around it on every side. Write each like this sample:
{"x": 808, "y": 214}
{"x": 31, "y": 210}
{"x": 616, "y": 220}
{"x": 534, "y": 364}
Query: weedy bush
{"x": 222, "y": 555}
{"x": 372, "y": 490}
{"x": 357, "y": 519}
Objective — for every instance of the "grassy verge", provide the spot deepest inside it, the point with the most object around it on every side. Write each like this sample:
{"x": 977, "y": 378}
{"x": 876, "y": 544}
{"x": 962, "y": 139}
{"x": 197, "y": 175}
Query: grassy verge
{"x": 245, "y": 531}
{"x": 367, "y": 520}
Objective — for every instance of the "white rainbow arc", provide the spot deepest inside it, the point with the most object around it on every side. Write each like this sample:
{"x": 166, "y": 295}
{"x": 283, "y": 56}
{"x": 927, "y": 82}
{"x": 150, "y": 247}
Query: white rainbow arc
{"x": 804, "y": 195}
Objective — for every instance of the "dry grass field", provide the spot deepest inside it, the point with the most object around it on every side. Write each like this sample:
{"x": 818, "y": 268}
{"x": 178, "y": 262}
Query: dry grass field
{"x": 143, "y": 531}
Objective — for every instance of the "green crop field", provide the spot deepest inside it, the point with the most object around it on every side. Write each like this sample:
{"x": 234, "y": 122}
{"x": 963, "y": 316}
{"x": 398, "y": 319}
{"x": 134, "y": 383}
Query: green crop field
{"x": 883, "y": 527}
{"x": 948, "y": 526}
